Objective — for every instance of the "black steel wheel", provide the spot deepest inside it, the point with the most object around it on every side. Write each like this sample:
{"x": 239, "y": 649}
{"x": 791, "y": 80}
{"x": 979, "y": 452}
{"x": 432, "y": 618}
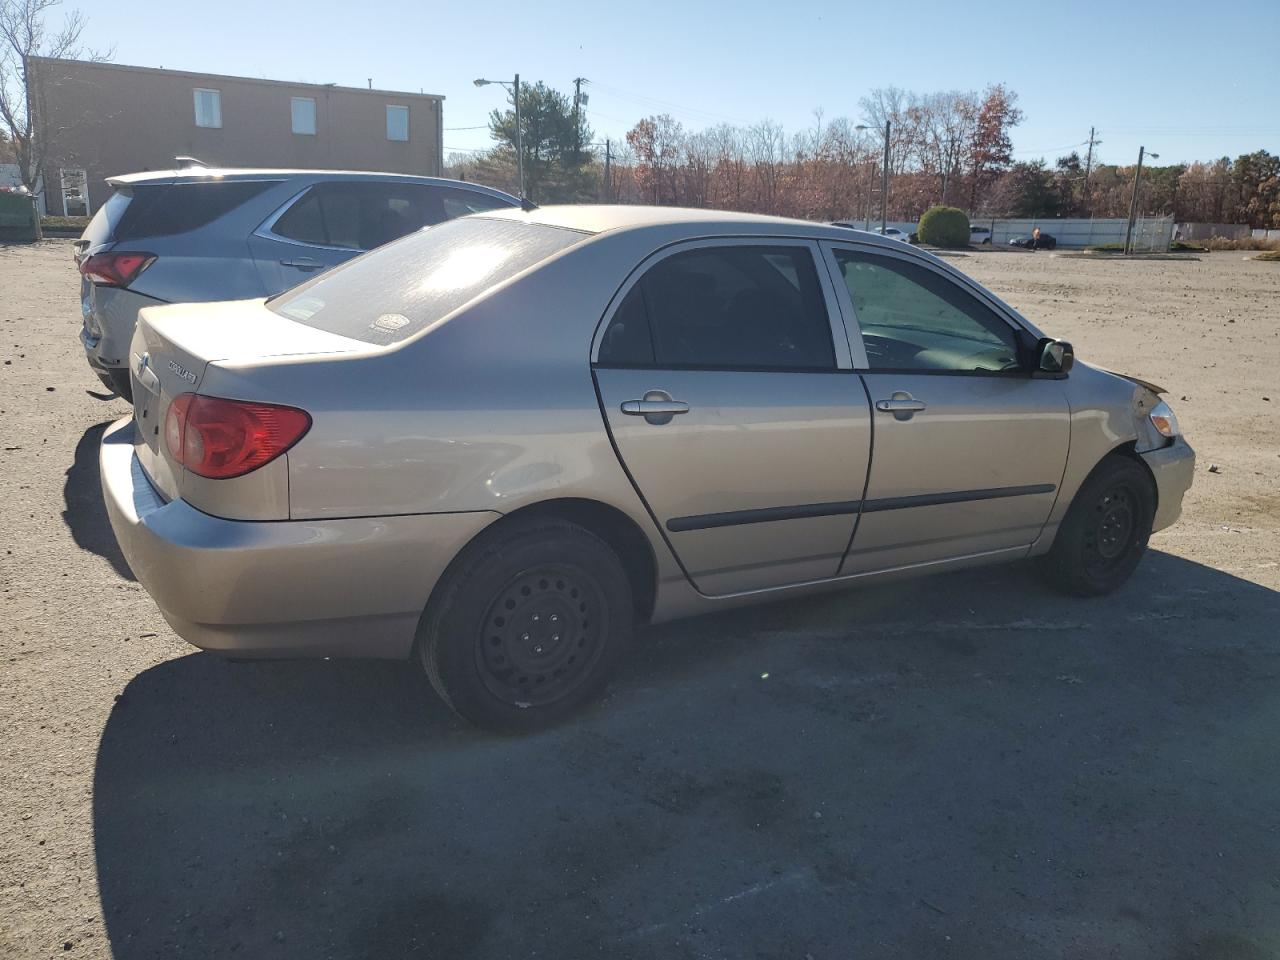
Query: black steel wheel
{"x": 527, "y": 624}
{"x": 540, "y": 637}
{"x": 1105, "y": 532}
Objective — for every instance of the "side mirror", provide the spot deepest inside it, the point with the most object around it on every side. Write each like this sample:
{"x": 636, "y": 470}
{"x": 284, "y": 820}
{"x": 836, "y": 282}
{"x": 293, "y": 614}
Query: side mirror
{"x": 1054, "y": 357}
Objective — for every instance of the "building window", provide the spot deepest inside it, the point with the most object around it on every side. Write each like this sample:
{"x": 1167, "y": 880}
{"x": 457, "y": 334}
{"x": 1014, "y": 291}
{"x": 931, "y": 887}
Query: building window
{"x": 208, "y": 107}
{"x": 397, "y": 123}
{"x": 304, "y": 115}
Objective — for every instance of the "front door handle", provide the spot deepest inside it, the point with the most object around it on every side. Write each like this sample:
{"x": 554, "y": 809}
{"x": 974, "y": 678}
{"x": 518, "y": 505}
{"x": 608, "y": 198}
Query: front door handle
{"x": 657, "y": 407}
{"x": 303, "y": 263}
{"x": 902, "y": 405}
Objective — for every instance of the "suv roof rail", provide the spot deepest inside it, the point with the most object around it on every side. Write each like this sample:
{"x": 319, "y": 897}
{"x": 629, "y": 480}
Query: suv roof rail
{"x": 186, "y": 163}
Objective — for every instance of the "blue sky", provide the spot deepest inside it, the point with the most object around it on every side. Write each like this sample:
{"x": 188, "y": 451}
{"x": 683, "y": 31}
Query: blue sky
{"x": 1190, "y": 80}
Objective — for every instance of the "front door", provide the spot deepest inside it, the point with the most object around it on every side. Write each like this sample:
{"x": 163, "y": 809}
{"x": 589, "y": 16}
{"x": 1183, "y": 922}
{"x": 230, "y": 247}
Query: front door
{"x": 735, "y": 412}
{"x": 969, "y": 446}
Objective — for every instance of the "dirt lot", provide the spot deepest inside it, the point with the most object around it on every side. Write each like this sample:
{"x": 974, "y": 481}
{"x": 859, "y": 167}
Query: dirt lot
{"x": 964, "y": 767}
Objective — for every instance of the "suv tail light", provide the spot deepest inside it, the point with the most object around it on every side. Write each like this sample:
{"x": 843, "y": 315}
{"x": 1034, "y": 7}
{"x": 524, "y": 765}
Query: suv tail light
{"x": 115, "y": 269}
{"x": 220, "y": 439}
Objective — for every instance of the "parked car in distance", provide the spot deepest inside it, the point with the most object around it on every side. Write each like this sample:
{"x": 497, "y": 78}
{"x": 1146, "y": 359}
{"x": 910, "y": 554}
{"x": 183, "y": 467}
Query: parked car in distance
{"x": 1041, "y": 241}
{"x": 497, "y": 445}
{"x": 200, "y": 234}
{"x": 978, "y": 236}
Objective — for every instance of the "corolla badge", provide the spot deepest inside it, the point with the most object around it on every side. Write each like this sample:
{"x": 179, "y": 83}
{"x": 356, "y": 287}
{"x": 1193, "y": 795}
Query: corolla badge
{"x": 182, "y": 371}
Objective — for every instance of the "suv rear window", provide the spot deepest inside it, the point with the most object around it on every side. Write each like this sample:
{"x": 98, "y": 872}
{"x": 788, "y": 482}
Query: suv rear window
{"x": 394, "y": 292}
{"x": 164, "y": 209}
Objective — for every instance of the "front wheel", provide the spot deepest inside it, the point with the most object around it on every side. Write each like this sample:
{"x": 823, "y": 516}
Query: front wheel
{"x": 527, "y": 625}
{"x": 1105, "y": 531}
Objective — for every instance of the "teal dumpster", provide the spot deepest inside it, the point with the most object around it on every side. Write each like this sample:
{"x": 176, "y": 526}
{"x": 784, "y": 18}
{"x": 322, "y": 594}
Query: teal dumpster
{"x": 18, "y": 217}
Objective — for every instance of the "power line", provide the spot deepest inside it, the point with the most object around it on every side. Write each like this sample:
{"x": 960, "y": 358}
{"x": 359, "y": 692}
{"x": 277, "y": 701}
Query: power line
{"x": 642, "y": 99}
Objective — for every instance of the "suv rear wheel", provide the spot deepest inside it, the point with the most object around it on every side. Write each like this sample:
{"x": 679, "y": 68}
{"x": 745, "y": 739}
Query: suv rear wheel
{"x": 527, "y": 625}
{"x": 1105, "y": 532}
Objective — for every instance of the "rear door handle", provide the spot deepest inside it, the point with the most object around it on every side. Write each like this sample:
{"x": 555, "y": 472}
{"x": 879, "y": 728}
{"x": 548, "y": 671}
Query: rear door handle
{"x": 902, "y": 405}
{"x": 643, "y": 408}
{"x": 894, "y": 406}
{"x": 303, "y": 263}
{"x": 657, "y": 407}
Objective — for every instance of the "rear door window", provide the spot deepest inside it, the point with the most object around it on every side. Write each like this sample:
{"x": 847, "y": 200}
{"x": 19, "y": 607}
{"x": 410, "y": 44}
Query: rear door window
{"x": 732, "y": 307}
{"x": 391, "y": 294}
{"x": 357, "y": 216}
{"x": 165, "y": 209}
{"x": 459, "y": 203}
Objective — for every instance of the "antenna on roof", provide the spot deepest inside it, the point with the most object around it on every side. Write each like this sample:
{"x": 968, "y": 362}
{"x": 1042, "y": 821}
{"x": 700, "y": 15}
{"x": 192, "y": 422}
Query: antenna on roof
{"x": 186, "y": 163}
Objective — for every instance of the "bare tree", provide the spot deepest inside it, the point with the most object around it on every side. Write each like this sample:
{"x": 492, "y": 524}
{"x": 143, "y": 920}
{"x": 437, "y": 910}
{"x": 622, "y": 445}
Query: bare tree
{"x": 24, "y": 34}
{"x": 948, "y": 121}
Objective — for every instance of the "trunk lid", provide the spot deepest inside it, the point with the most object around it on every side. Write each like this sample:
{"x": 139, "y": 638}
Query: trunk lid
{"x": 173, "y": 347}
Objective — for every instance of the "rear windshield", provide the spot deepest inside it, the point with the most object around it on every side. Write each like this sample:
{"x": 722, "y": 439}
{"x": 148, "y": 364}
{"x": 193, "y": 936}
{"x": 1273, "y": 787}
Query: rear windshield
{"x": 164, "y": 209}
{"x": 392, "y": 293}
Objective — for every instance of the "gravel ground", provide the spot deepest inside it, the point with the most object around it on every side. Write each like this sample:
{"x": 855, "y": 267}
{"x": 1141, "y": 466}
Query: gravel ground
{"x": 968, "y": 766}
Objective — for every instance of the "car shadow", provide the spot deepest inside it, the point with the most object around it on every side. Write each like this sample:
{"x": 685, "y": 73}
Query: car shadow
{"x": 964, "y": 766}
{"x": 85, "y": 512}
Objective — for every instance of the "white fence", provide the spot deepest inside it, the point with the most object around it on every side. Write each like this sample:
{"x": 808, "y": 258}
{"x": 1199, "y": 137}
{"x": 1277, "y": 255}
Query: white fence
{"x": 1150, "y": 234}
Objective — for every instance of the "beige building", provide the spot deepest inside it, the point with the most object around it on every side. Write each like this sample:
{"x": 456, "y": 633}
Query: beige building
{"x": 103, "y": 119}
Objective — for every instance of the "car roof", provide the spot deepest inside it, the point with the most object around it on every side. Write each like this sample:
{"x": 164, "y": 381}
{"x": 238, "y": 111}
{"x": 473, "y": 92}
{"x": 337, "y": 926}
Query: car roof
{"x": 680, "y": 222}
{"x": 202, "y": 174}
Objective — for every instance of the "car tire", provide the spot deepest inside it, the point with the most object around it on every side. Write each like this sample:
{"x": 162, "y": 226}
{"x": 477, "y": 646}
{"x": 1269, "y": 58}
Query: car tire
{"x": 1106, "y": 529}
{"x": 527, "y": 625}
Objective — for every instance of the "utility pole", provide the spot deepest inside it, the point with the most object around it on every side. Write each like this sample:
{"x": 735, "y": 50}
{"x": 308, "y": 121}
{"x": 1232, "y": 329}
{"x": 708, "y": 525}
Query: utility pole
{"x": 1133, "y": 203}
{"x": 519, "y": 138}
{"x": 577, "y": 126}
{"x": 866, "y": 199}
{"x": 608, "y": 176}
{"x": 1088, "y": 168}
{"x": 884, "y": 181}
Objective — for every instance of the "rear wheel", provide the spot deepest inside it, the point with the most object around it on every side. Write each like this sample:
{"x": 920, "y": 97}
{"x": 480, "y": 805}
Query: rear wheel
{"x": 1105, "y": 532}
{"x": 527, "y": 625}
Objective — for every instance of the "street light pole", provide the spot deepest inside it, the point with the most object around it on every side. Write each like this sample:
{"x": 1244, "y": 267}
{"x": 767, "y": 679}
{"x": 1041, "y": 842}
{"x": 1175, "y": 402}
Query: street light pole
{"x": 884, "y": 182}
{"x": 515, "y": 91}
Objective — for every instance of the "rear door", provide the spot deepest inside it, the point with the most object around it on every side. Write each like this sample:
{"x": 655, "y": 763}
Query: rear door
{"x": 329, "y": 223}
{"x": 969, "y": 446}
{"x": 729, "y": 396}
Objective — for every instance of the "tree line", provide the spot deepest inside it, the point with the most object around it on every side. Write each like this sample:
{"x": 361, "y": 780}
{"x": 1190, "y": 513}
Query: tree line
{"x": 953, "y": 147}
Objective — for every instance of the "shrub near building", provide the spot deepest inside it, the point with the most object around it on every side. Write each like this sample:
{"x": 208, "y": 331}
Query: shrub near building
{"x": 944, "y": 227}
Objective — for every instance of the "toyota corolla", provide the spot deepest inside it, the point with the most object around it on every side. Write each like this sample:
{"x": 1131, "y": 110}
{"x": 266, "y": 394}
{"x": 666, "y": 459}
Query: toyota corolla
{"x": 496, "y": 446}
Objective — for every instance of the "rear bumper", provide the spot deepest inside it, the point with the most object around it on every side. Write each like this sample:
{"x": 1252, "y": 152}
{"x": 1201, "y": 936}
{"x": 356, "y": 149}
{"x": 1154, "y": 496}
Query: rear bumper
{"x": 109, "y": 317}
{"x": 340, "y": 588}
{"x": 1173, "y": 468}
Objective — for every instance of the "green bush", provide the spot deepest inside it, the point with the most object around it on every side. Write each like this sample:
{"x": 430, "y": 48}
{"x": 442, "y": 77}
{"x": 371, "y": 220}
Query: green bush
{"x": 944, "y": 227}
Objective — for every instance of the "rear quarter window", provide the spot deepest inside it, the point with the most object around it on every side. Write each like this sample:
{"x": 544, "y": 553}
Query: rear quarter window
{"x": 392, "y": 293}
{"x": 105, "y": 221}
{"x": 165, "y": 209}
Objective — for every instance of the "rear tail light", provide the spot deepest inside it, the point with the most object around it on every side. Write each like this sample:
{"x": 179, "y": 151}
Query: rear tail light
{"x": 115, "y": 269}
{"x": 221, "y": 439}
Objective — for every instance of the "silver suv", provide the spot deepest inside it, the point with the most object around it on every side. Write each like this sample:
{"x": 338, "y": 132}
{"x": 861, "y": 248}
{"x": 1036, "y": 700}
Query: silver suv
{"x": 180, "y": 236}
